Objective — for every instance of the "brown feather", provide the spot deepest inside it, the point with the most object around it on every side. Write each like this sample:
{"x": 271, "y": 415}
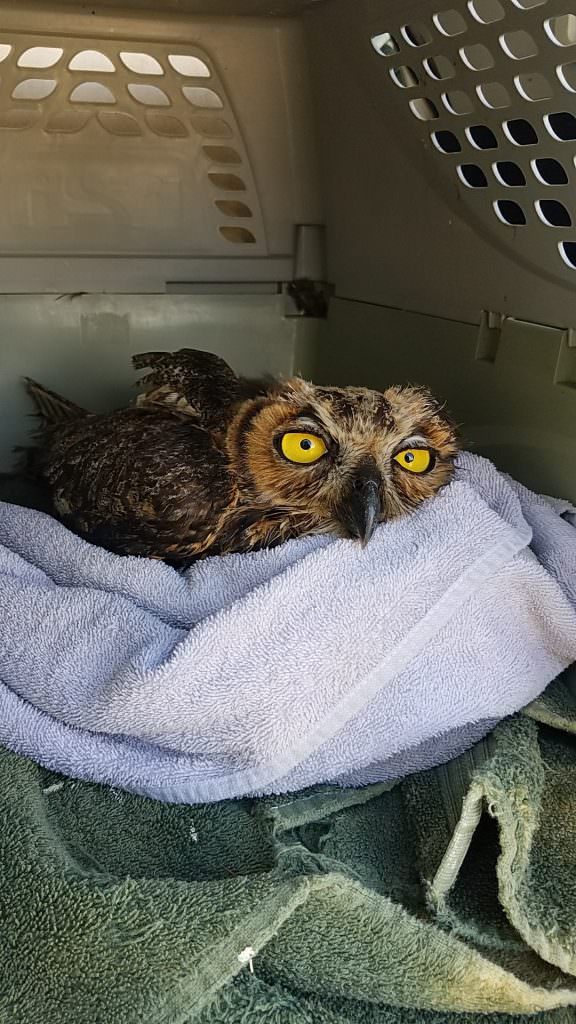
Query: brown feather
{"x": 195, "y": 466}
{"x": 51, "y": 407}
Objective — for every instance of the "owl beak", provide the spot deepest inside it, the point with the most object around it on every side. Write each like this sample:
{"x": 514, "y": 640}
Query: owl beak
{"x": 361, "y": 512}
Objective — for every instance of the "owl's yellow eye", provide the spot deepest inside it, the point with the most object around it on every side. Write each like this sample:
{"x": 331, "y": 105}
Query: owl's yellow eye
{"x": 303, "y": 448}
{"x": 415, "y": 460}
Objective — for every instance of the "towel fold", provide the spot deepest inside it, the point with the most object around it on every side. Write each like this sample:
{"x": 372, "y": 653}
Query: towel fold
{"x": 443, "y": 899}
{"x": 273, "y": 671}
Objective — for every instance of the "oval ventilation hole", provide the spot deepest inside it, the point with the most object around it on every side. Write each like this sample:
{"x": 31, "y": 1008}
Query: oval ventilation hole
{"x": 527, "y": 5}
{"x": 553, "y": 213}
{"x": 449, "y": 23}
{"x": 92, "y": 92}
{"x": 562, "y": 30}
{"x": 562, "y": 126}
{"x": 477, "y": 57}
{"x": 424, "y": 109}
{"x": 567, "y": 75}
{"x": 518, "y": 45}
{"x": 534, "y": 87}
{"x": 521, "y": 132}
{"x": 482, "y": 137}
{"x": 167, "y": 125}
{"x": 118, "y": 123}
{"x": 493, "y": 95}
{"x": 233, "y": 208}
{"x": 457, "y": 102}
{"x": 190, "y": 67}
{"x": 40, "y": 57}
{"x": 240, "y": 236}
{"x": 567, "y": 251}
{"x": 5, "y": 51}
{"x": 222, "y": 154}
{"x": 212, "y": 127}
{"x": 486, "y": 11}
{"x": 227, "y": 182}
{"x": 34, "y": 89}
{"x": 17, "y": 120}
{"x": 446, "y": 142}
{"x": 148, "y": 95}
{"x": 416, "y": 35}
{"x": 385, "y": 44}
{"x": 439, "y": 68}
{"x": 509, "y": 212}
{"x": 404, "y": 77}
{"x": 67, "y": 122}
{"x": 141, "y": 63}
{"x": 509, "y": 174}
{"x": 91, "y": 60}
{"x": 204, "y": 98}
{"x": 549, "y": 171}
{"x": 472, "y": 176}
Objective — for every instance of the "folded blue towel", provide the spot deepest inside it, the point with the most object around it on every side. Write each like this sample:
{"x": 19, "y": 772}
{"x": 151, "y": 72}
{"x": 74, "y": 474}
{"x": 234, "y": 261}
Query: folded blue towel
{"x": 268, "y": 672}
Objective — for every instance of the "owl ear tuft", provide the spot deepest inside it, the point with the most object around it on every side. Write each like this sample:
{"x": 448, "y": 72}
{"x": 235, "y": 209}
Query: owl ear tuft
{"x": 292, "y": 389}
{"x": 435, "y": 406}
{"x": 440, "y": 410}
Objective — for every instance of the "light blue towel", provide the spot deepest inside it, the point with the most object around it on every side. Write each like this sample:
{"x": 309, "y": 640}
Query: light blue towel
{"x": 269, "y": 672}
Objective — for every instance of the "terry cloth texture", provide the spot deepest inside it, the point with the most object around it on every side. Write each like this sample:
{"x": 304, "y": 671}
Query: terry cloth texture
{"x": 453, "y": 892}
{"x": 266, "y": 673}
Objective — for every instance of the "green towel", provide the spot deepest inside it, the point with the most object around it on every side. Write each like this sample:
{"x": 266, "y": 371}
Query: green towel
{"x": 443, "y": 899}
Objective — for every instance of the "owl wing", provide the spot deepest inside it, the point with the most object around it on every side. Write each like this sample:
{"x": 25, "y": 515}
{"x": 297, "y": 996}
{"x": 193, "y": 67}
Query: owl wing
{"x": 199, "y": 385}
{"x": 137, "y": 482}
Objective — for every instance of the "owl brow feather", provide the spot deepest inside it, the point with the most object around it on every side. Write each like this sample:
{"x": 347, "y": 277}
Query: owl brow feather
{"x": 304, "y": 421}
{"x": 415, "y": 441}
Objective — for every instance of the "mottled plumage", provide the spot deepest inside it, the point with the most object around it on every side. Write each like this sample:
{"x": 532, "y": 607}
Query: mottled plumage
{"x": 204, "y": 462}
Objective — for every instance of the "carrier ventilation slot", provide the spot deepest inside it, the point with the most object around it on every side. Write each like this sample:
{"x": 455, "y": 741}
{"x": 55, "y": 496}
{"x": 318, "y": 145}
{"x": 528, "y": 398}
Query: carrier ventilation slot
{"x": 492, "y": 85}
{"x": 114, "y": 106}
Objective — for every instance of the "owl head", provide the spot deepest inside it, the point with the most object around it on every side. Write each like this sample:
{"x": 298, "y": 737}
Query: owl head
{"x": 346, "y": 458}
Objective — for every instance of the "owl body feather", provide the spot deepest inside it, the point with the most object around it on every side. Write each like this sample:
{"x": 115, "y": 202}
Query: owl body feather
{"x": 194, "y": 466}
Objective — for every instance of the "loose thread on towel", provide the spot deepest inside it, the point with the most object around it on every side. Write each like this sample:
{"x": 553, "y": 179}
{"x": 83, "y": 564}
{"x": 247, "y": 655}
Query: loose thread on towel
{"x": 247, "y": 957}
{"x": 54, "y": 788}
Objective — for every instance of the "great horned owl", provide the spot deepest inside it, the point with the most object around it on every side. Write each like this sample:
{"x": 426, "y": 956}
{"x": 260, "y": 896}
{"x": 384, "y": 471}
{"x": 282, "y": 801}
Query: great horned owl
{"x": 204, "y": 462}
